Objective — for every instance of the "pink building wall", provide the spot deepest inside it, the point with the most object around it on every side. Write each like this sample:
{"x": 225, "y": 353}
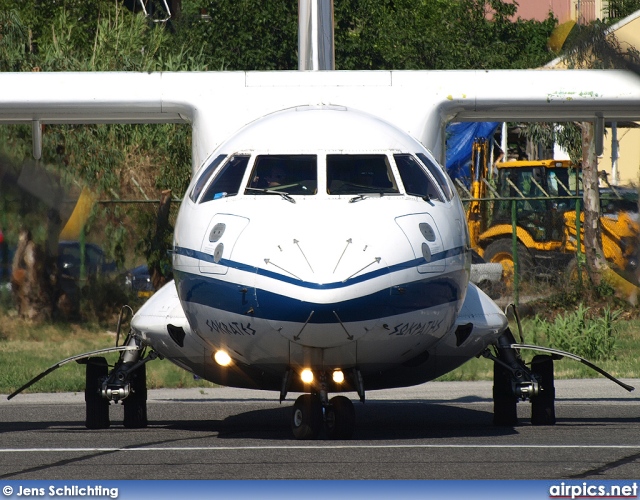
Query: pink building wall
{"x": 564, "y": 10}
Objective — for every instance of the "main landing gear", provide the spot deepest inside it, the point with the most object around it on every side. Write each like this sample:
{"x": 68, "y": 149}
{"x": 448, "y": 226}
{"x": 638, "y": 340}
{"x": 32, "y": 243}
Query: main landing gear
{"x": 313, "y": 412}
{"x": 514, "y": 381}
{"x": 126, "y": 383}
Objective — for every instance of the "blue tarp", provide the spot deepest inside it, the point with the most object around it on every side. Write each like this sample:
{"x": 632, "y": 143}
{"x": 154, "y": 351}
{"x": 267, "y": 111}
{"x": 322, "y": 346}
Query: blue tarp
{"x": 460, "y": 137}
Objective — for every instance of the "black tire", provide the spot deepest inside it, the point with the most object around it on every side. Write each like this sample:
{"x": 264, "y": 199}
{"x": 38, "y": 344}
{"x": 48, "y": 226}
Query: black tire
{"x": 501, "y": 251}
{"x": 97, "y": 408}
{"x": 543, "y": 405}
{"x": 340, "y": 418}
{"x": 135, "y": 405}
{"x": 306, "y": 418}
{"x": 505, "y": 412}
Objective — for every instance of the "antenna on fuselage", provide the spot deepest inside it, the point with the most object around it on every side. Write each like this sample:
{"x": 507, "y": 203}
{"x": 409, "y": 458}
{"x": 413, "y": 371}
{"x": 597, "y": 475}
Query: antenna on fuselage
{"x": 315, "y": 35}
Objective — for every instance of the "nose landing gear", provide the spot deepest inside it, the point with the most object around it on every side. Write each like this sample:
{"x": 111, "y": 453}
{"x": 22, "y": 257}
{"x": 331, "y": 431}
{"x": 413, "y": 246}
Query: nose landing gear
{"x": 309, "y": 415}
{"x": 312, "y": 412}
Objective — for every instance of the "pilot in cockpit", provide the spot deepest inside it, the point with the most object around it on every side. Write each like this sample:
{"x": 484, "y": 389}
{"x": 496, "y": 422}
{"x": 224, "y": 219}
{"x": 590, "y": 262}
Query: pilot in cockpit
{"x": 275, "y": 176}
{"x": 269, "y": 177}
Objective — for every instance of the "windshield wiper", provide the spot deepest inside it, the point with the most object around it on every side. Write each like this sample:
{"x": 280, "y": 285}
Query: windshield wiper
{"x": 285, "y": 196}
{"x": 360, "y": 197}
{"x": 364, "y": 196}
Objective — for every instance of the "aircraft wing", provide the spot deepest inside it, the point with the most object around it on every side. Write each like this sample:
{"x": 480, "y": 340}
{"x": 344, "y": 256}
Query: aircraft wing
{"x": 217, "y": 104}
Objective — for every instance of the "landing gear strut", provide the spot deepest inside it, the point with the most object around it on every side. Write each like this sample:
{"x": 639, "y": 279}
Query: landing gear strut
{"x": 312, "y": 412}
{"x": 514, "y": 381}
{"x": 126, "y": 383}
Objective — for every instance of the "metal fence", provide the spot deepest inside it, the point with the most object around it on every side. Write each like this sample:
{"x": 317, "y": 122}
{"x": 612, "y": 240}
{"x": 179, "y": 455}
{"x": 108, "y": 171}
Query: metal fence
{"x": 552, "y": 234}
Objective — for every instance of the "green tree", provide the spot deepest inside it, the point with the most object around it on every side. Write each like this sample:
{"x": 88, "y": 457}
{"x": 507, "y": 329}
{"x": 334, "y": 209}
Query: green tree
{"x": 241, "y": 35}
{"x": 438, "y": 34}
{"x": 13, "y": 41}
{"x": 618, "y": 9}
{"x": 591, "y": 46}
{"x": 369, "y": 34}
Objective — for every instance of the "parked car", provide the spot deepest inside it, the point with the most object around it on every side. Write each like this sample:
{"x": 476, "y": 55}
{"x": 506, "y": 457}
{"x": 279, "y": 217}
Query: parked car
{"x": 95, "y": 261}
{"x": 69, "y": 261}
{"x": 138, "y": 280}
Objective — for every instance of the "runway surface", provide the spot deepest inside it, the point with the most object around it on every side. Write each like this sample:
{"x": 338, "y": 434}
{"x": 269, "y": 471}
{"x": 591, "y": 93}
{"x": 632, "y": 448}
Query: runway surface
{"x": 440, "y": 430}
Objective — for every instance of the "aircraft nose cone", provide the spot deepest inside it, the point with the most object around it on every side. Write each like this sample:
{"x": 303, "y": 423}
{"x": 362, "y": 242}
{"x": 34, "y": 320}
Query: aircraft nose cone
{"x": 323, "y": 298}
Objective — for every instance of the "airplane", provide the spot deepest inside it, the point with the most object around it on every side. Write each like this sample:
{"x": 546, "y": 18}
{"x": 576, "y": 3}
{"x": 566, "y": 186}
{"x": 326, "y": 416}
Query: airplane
{"x": 320, "y": 247}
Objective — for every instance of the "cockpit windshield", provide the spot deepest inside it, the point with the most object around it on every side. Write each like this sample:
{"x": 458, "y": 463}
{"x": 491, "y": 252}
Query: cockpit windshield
{"x": 362, "y": 175}
{"x": 227, "y": 181}
{"x": 438, "y": 174}
{"x": 415, "y": 179}
{"x": 359, "y": 174}
{"x": 204, "y": 177}
{"x": 293, "y": 174}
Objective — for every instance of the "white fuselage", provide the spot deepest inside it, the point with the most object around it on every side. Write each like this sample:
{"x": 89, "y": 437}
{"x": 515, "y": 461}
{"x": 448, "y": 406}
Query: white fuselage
{"x": 350, "y": 271}
{"x": 360, "y": 263}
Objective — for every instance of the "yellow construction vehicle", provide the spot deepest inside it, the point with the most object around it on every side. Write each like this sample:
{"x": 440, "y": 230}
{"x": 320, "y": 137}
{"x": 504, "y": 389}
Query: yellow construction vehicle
{"x": 541, "y": 197}
{"x": 620, "y": 238}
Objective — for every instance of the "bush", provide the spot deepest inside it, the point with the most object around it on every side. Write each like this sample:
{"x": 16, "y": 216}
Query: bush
{"x": 102, "y": 299}
{"x": 587, "y": 335}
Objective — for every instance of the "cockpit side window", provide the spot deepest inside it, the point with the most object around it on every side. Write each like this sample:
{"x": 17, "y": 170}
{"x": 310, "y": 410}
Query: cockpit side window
{"x": 228, "y": 180}
{"x": 438, "y": 174}
{"x": 415, "y": 179}
{"x": 205, "y": 176}
{"x": 291, "y": 174}
{"x": 359, "y": 174}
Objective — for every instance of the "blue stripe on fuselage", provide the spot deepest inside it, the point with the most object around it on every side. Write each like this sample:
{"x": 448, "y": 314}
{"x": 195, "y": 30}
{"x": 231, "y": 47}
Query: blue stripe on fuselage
{"x": 195, "y": 254}
{"x": 259, "y": 303}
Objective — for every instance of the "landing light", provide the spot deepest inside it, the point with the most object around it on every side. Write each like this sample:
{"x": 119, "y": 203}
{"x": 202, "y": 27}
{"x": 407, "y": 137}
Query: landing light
{"x": 306, "y": 376}
{"x": 222, "y": 358}
{"x": 338, "y": 376}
